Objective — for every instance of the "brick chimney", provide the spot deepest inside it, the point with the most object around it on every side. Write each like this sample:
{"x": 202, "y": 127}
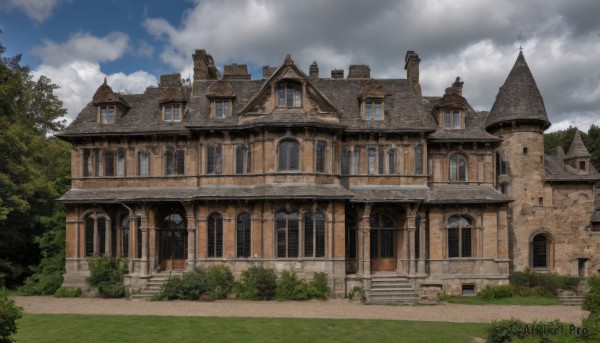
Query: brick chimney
{"x": 236, "y": 72}
{"x": 411, "y": 64}
{"x": 268, "y": 71}
{"x": 313, "y": 72}
{"x": 337, "y": 73}
{"x": 359, "y": 71}
{"x": 204, "y": 66}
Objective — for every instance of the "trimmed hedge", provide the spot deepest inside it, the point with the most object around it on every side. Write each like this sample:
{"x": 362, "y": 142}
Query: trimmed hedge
{"x": 256, "y": 283}
{"x": 528, "y": 283}
{"x": 215, "y": 282}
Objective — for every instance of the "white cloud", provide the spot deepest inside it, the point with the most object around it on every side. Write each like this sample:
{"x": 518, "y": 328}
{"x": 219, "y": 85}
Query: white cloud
{"x": 82, "y": 46}
{"x": 477, "y": 40}
{"x": 79, "y": 80}
{"x": 37, "y": 10}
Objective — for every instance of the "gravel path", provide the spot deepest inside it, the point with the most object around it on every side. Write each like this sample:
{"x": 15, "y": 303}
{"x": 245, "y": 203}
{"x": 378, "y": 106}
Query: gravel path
{"x": 306, "y": 309}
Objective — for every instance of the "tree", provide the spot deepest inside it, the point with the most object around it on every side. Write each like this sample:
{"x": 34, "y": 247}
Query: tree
{"x": 563, "y": 138}
{"x": 34, "y": 167}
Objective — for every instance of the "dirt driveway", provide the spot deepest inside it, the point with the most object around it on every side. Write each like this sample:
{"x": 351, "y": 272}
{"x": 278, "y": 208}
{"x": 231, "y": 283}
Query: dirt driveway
{"x": 307, "y": 309}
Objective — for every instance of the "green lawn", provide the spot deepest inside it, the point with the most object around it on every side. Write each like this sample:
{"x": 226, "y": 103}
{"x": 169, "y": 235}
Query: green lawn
{"x": 111, "y": 328}
{"x": 514, "y": 300}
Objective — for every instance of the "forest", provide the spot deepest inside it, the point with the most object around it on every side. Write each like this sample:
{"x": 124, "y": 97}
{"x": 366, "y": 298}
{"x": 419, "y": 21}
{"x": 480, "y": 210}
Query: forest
{"x": 35, "y": 171}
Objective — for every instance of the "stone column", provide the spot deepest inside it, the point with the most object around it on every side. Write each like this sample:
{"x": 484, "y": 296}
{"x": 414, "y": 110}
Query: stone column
{"x": 364, "y": 242}
{"x": 144, "y": 262}
{"x": 107, "y": 238}
{"x": 96, "y": 237}
{"x": 191, "y": 235}
{"x": 411, "y": 227}
{"x": 131, "y": 253}
{"x": 422, "y": 244}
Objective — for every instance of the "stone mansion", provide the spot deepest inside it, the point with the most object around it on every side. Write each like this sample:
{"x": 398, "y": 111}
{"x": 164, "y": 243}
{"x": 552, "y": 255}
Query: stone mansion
{"x": 366, "y": 179}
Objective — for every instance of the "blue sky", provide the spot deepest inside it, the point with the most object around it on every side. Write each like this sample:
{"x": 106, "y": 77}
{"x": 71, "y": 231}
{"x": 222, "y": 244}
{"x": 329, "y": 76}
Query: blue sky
{"x": 77, "y": 43}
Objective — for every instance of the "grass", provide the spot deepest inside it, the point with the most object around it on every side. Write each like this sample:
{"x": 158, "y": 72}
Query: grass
{"x": 514, "y": 300}
{"x": 112, "y": 328}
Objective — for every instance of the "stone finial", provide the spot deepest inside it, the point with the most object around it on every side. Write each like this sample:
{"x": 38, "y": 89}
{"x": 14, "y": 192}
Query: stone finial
{"x": 288, "y": 60}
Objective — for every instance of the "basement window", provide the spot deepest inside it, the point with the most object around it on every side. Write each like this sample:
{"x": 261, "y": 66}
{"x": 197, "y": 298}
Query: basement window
{"x": 468, "y": 289}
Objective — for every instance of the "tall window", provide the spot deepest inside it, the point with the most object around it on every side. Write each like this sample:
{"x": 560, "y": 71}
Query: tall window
{"x": 451, "y": 119}
{"x": 89, "y": 236}
{"x": 222, "y": 108}
{"x": 501, "y": 165}
{"x": 458, "y": 168}
{"x": 392, "y": 161}
{"x": 287, "y": 231}
{"x": 320, "y": 156}
{"x": 371, "y": 160}
{"x": 418, "y": 159}
{"x": 138, "y": 235}
{"x": 351, "y": 233}
{"x": 540, "y": 251}
{"x": 109, "y": 160}
{"x": 215, "y": 235}
{"x": 459, "y": 236}
{"x": 214, "y": 158}
{"x": 96, "y": 228}
{"x": 143, "y": 163}
{"x": 289, "y": 94}
{"x": 172, "y": 112}
{"x": 355, "y": 160}
{"x": 175, "y": 163}
{"x": 124, "y": 246}
{"x": 288, "y": 155}
{"x": 243, "y": 234}
{"x": 314, "y": 234}
{"x": 107, "y": 114}
{"x": 346, "y": 162}
{"x": 381, "y": 160}
{"x": 373, "y": 110}
{"x": 114, "y": 166}
{"x": 242, "y": 159}
{"x": 120, "y": 162}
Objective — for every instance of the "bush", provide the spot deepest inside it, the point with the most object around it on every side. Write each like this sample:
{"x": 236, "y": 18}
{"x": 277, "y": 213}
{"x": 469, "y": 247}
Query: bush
{"x": 514, "y": 330}
{"x": 319, "y": 282}
{"x": 358, "y": 293}
{"x": 592, "y": 326}
{"x": 68, "y": 292}
{"x": 592, "y": 299}
{"x": 505, "y": 330}
{"x": 9, "y": 314}
{"x": 216, "y": 281}
{"x": 106, "y": 275}
{"x": 528, "y": 283}
{"x": 502, "y": 291}
{"x": 256, "y": 283}
{"x": 219, "y": 281}
{"x": 290, "y": 287}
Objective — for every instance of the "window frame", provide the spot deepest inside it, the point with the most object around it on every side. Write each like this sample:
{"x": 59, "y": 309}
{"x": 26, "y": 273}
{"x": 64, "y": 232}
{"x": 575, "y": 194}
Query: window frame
{"x": 289, "y": 94}
{"x": 320, "y": 156}
{"x": 214, "y": 159}
{"x": 418, "y": 157}
{"x": 288, "y": 156}
{"x": 143, "y": 170}
{"x": 461, "y": 244}
{"x": 287, "y": 234}
{"x": 174, "y": 162}
{"x": 454, "y": 168}
{"x": 451, "y": 119}
{"x": 107, "y": 114}
{"x": 536, "y": 256}
{"x": 222, "y": 108}
{"x": 373, "y": 109}
{"x": 243, "y": 231}
{"x": 314, "y": 225}
{"x": 243, "y": 158}
{"x": 94, "y": 235}
{"x": 168, "y": 112}
{"x": 214, "y": 235}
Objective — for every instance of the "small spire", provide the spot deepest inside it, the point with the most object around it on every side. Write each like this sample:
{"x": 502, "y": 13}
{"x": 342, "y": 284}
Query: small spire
{"x": 577, "y": 148}
{"x": 288, "y": 60}
{"x": 105, "y": 81}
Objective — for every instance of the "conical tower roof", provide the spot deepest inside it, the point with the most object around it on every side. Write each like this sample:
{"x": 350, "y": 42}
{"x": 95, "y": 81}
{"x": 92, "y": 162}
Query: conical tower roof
{"x": 577, "y": 148}
{"x": 519, "y": 98}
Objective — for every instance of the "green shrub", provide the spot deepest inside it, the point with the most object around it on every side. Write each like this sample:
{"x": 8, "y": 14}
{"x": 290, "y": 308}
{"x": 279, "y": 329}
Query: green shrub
{"x": 9, "y": 314}
{"x": 505, "y": 330}
{"x": 319, "y": 282}
{"x": 592, "y": 327}
{"x": 592, "y": 299}
{"x": 358, "y": 293}
{"x": 256, "y": 283}
{"x": 219, "y": 281}
{"x": 106, "y": 275}
{"x": 68, "y": 292}
{"x": 528, "y": 283}
{"x": 286, "y": 285}
{"x": 502, "y": 291}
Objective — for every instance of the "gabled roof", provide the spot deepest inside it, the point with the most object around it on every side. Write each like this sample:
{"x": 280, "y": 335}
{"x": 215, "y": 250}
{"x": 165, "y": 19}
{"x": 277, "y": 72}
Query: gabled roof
{"x": 519, "y": 99}
{"x": 577, "y": 148}
{"x": 555, "y": 169}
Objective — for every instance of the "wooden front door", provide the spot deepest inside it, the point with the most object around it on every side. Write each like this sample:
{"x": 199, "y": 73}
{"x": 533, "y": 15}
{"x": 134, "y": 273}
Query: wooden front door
{"x": 383, "y": 243}
{"x": 173, "y": 243}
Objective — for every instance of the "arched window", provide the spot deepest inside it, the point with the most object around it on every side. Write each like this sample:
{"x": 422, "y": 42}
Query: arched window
{"x": 288, "y": 155}
{"x": 243, "y": 231}
{"x": 287, "y": 230}
{"x": 314, "y": 234}
{"x": 215, "y": 235}
{"x": 289, "y": 94}
{"x": 458, "y": 168}
{"x": 540, "y": 251}
{"x": 124, "y": 246}
{"x": 89, "y": 236}
{"x": 96, "y": 228}
{"x": 460, "y": 243}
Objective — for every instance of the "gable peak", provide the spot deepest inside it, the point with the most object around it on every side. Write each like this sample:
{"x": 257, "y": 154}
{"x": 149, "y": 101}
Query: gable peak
{"x": 577, "y": 148}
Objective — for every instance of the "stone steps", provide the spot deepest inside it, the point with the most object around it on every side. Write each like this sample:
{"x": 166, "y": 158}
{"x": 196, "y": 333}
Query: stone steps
{"x": 571, "y": 298}
{"x": 154, "y": 285}
{"x": 392, "y": 289}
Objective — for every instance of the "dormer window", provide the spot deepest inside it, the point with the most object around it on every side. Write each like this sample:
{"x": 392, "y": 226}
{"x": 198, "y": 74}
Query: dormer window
{"x": 451, "y": 119}
{"x": 107, "y": 114}
{"x": 373, "y": 110}
{"x": 222, "y": 108}
{"x": 289, "y": 94}
{"x": 582, "y": 167}
{"x": 172, "y": 112}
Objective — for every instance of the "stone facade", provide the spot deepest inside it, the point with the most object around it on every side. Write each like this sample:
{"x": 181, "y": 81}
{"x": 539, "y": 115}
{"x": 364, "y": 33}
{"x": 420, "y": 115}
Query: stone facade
{"x": 356, "y": 177}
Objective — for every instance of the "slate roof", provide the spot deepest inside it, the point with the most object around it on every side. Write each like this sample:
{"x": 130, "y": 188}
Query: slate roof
{"x": 474, "y": 131}
{"x": 279, "y": 191}
{"x": 557, "y": 170}
{"x": 519, "y": 98}
{"x": 577, "y": 148}
{"x": 465, "y": 194}
{"x": 389, "y": 193}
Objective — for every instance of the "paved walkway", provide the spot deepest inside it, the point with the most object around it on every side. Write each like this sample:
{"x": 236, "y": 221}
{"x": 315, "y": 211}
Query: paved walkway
{"x": 303, "y": 309}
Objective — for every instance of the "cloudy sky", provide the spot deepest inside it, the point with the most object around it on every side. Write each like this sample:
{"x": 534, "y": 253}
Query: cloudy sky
{"x": 77, "y": 43}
